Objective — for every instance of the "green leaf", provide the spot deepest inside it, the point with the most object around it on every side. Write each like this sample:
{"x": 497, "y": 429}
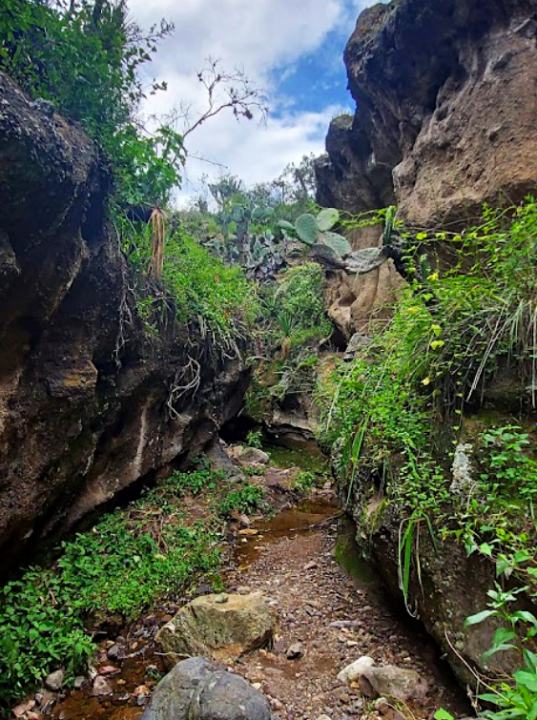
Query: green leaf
{"x": 443, "y": 715}
{"x": 525, "y": 616}
{"x": 327, "y": 218}
{"x": 306, "y": 228}
{"x": 286, "y": 225}
{"x": 526, "y": 679}
{"x": 338, "y": 243}
{"x": 478, "y": 617}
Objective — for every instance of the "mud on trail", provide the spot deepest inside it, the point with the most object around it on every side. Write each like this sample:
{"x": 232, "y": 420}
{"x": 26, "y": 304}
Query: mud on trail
{"x": 331, "y": 611}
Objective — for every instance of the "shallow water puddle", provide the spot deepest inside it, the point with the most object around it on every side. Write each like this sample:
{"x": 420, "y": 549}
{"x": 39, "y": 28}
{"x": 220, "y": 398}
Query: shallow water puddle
{"x": 307, "y": 517}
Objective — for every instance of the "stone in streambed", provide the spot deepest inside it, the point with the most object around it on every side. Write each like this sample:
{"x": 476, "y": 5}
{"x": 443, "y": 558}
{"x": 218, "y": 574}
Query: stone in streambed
{"x": 101, "y": 686}
{"x": 197, "y": 689}
{"x": 387, "y": 680}
{"x": 222, "y": 626}
{"x": 295, "y": 651}
{"x": 54, "y": 681}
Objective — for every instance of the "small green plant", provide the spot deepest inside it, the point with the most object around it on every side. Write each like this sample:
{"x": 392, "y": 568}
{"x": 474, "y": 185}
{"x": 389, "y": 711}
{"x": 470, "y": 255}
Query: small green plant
{"x": 516, "y": 633}
{"x": 508, "y": 468}
{"x": 316, "y": 230}
{"x": 247, "y": 499}
{"x": 254, "y": 439}
{"x": 195, "y": 482}
{"x": 304, "y": 481}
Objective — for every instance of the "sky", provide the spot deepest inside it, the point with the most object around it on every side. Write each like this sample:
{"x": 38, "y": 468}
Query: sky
{"x": 291, "y": 48}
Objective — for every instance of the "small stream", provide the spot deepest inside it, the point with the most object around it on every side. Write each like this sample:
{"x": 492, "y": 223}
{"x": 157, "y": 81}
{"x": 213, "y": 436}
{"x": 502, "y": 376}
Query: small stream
{"x": 138, "y": 673}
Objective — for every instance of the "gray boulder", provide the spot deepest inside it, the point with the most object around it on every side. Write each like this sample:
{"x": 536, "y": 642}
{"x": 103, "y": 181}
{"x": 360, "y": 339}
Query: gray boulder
{"x": 197, "y": 689}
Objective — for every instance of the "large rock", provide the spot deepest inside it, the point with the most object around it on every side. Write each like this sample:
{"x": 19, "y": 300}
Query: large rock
{"x": 85, "y": 392}
{"x": 223, "y": 627}
{"x": 446, "y": 113}
{"x": 246, "y": 456}
{"x": 357, "y": 302}
{"x": 196, "y": 689}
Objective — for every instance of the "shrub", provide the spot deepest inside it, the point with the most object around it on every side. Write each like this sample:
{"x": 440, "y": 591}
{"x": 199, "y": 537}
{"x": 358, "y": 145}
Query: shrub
{"x": 85, "y": 60}
{"x": 247, "y": 499}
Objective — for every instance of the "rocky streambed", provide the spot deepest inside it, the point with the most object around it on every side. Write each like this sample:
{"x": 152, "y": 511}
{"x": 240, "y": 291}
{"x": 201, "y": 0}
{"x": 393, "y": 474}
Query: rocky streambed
{"x": 300, "y": 567}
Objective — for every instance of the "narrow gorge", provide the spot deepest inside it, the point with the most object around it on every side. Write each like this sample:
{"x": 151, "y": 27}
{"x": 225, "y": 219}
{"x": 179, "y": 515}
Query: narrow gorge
{"x": 269, "y": 453}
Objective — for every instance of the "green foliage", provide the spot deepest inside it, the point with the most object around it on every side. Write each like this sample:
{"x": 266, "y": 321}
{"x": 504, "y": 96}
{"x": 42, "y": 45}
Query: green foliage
{"x": 293, "y": 325}
{"x": 126, "y": 563}
{"x": 508, "y": 469}
{"x": 450, "y": 334}
{"x": 304, "y": 481}
{"x": 254, "y": 439}
{"x": 315, "y": 230}
{"x": 85, "y": 60}
{"x": 246, "y": 499}
{"x": 199, "y": 285}
{"x": 297, "y": 304}
{"x": 516, "y": 633}
{"x": 400, "y": 409}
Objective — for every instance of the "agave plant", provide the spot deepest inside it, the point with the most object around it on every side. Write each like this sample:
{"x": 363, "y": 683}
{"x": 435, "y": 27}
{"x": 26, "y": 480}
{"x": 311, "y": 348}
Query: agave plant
{"x": 316, "y": 232}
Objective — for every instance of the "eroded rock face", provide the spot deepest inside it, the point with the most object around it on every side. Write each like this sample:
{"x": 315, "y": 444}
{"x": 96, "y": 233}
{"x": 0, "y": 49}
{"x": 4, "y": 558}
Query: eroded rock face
{"x": 223, "y": 627}
{"x": 447, "y": 102}
{"x": 358, "y": 302}
{"x": 83, "y": 389}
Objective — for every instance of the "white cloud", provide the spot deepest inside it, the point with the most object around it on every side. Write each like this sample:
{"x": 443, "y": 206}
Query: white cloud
{"x": 256, "y": 36}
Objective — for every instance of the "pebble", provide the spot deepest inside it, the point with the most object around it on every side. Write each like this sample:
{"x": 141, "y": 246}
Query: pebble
{"x": 115, "y": 652}
{"x": 21, "y": 710}
{"x": 101, "y": 686}
{"x": 295, "y": 651}
{"x": 54, "y": 681}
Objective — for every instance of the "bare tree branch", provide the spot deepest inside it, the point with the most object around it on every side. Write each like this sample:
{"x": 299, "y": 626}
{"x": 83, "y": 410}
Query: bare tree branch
{"x": 227, "y": 91}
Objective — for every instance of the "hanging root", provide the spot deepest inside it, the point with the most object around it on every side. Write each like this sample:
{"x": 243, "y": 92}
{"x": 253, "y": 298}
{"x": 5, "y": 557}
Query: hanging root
{"x": 125, "y": 314}
{"x": 187, "y": 380}
{"x": 158, "y": 232}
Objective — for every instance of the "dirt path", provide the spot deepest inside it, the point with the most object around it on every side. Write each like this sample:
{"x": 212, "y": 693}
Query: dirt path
{"x": 334, "y": 618}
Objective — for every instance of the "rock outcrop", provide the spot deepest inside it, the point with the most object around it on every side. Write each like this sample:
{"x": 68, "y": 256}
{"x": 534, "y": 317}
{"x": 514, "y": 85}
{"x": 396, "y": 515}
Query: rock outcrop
{"x": 446, "y": 107}
{"x": 85, "y": 392}
{"x": 358, "y": 302}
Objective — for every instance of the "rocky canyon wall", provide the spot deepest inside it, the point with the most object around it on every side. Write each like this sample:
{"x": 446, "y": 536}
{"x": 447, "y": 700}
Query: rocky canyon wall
{"x": 84, "y": 389}
{"x": 446, "y": 96}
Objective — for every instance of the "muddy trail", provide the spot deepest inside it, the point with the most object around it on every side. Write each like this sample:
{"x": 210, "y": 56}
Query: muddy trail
{"x": 331, "y": 610}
